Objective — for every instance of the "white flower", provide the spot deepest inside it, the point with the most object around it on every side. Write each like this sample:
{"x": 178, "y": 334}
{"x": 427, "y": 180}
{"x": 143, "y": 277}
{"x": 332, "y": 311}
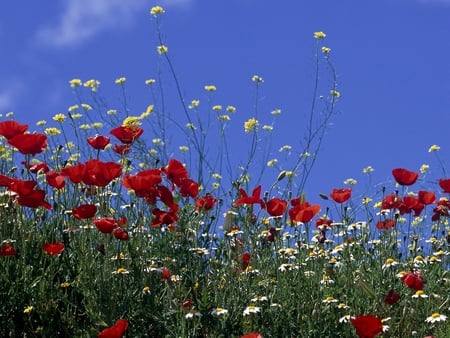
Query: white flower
{"x": 218, "y": 311}
{"x": 436, "y": 317}
{"x": 251, "y": 309}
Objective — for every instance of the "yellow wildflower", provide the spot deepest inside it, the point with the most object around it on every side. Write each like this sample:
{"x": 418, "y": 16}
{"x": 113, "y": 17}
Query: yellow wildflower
{"x": 184, "y": 149}
{"x": 59, "y": 118}
{"x": 231, "y": 109}
{"x": 150, "y": 81}
{"x": 75, "y": 83}
{"x": 257, "y": 79}
{"x": 162, "y": 49}
{"x": 434, "y": 148}
{"x": 217, "y": 107}
{"x": 156, "y": 10}
{"x": 52, "y": 131}
{"x": 319, "y": 35}
{"x": 250, "y": 125}
{"x": 326, "y": 50}
{"x": 335, "y": 93}
{"x": 120, "y": 80}
{"x": 424, "y": 168}
{"x": 93, "y": 84}
{"x": 224, "y": 117}
{"x": 86, "y": 106}
{"x": 267, "y": 127}
{"x": 210, "y": 88}
{"x": 131, "y": 121}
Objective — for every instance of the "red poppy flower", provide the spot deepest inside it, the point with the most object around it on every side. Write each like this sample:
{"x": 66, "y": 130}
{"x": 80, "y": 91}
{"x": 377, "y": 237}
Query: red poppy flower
{"x": 253, "y": 199}
{"x": 55, "y": 179}
{"x": 100, "y": 173}
{"x": 426, "y": 197}
{"x": 127, "y": 134}
{"x": 413, "y": 280}
{"x": 53, "y": 248}
{"x": 98, "y": 141}
{"x": 367, "y": 326}
{"x": 29, "y": 144}
{"x": 323, "y": 223}
{"x": 143, "y": 182}
{"x": 105, "y": 224}
{"x": 187, "y": 303}
{"x": 246, "y": 256}
{"x": 7, "y": 250}
{"x": 11, "y": 128}
{"x": 175, "y": 172}
{"x": 410, "y": 204}
{"x": 205, "y": 203}
{"x": 165, "y": 274}
{"x": 84, "y": 211}
{"x": 26, "y": 194}
{"x": 442, "y": 209}
{"x": 252, "y": 335}
{"x": 404, "y": 177}
{"x": 189, "y": 187}
{"x": 115, "y": 331}
{"x": 163, "y": 217}
{"x": 22, "y": 187}
{"x": 121, "y": 149}
{"x": 276, "y": 207}
{"x": 34, "y": 168}
{"x": 341, "y": 195}
{"x": 120, "y": 234}
{"x": 385, "y": 224}
{"x": 5, "y": 181}
{"x": 74, "y": 173}
{"x": 165, "y": 195}
{"x": 391, "y": 298}
{"x": 303, "y": 212}
{"x": 444, "y": 183}
{"x": 391, "y": 201}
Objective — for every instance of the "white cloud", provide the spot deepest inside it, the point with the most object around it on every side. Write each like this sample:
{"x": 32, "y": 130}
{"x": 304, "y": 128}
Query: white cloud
{"x": 83, "y": 19}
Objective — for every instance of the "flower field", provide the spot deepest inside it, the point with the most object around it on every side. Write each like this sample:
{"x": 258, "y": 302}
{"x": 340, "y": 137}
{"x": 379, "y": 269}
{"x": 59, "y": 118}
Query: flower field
{"x": 106, "y": 233}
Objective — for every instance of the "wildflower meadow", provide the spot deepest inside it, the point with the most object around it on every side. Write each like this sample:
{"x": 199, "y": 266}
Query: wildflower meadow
{"x": 151, "y": 224}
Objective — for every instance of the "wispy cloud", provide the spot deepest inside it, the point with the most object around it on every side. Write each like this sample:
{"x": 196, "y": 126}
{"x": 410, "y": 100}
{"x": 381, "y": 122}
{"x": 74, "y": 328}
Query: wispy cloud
{"x": 8, "y": 96}
{"x": 83, "y": 19}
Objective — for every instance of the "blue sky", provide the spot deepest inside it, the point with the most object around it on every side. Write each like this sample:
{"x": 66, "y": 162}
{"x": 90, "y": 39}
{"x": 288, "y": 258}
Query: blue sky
{"x": 391, "y": 58}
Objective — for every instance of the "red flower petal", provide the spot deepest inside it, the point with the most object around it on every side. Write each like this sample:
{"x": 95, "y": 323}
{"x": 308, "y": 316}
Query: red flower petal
{"x": 7, "y": 250}
{"x": 276, "y": 207}
{"x": 84, "y": 211}
{"x": 53, "y": 248}
{"x": 341, "y": 195}
{"x": 367, "y": 326}
{"x": 127, "y": 134}
{"x": 98, "y": 141}
{"x": 404, "y": 177}
{"x": 29, "y": 144}
{"x": 11, "y": 128}
{"x": 115, "y": 331}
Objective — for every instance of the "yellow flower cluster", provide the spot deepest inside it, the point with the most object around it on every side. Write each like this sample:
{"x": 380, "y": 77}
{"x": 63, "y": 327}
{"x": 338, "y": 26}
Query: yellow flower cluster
{"x": 93, "y": 84}
{"x": 131, "y": 121}
{"x": 157, "y": 10}
{"x": 75, "y": 83}
{"x": 319, "y": 35}
{"x": 210, "y": 88}
{"x": 162, "y": 49}
{"x": 120, "y": 80}
{"x": 59, "y": 118}
{"x": 250, "y": 125}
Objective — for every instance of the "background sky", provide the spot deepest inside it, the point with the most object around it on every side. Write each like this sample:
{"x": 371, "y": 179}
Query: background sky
{"x": 391, "y": 58}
